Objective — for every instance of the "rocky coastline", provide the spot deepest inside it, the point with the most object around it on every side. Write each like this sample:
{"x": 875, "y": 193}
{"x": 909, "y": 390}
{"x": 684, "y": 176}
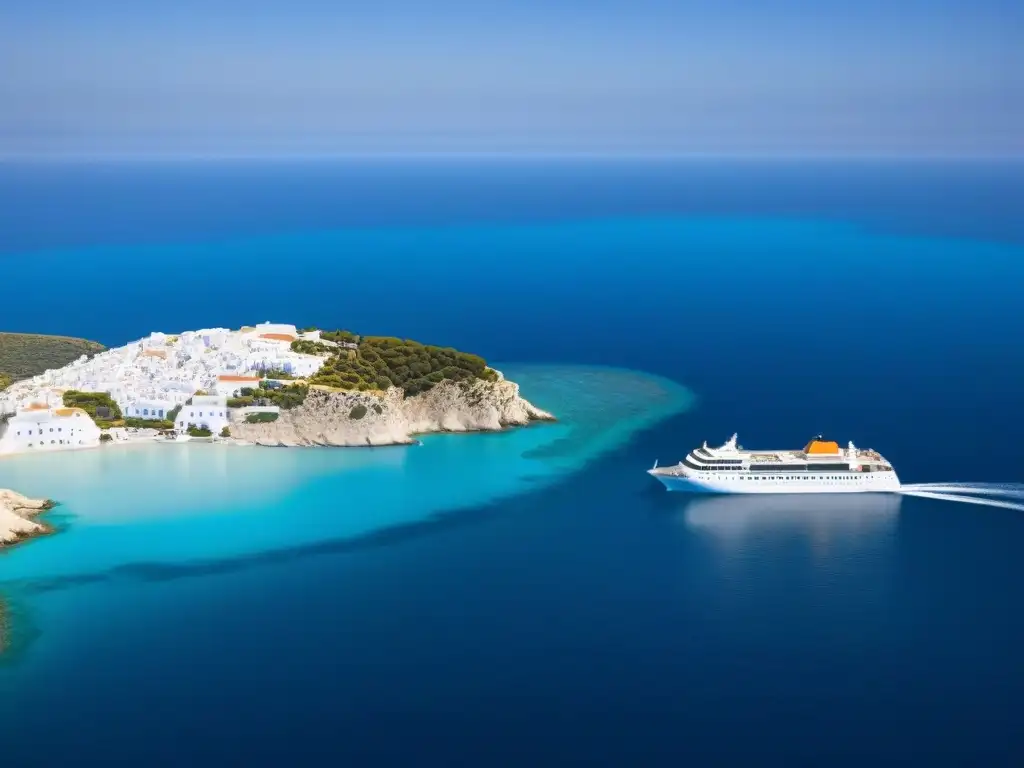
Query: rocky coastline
{"x": 17, "y": 515}
{"x": 337, "y": 418}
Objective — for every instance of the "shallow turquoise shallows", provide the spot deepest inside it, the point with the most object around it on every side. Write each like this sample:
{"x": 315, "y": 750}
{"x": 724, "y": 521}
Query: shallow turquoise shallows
{"x": 126, "y": 511}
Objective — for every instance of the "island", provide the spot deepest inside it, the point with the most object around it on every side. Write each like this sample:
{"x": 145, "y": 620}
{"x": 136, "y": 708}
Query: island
{"x": 269, "y": 384}
{"x": 16, "y": 517}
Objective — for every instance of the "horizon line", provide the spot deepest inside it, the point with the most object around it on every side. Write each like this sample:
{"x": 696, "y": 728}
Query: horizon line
{"x": 171, "y": 157}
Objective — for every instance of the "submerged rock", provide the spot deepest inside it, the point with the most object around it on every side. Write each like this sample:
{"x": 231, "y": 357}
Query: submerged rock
{"x": 16, "y": 513}
{"x": 391, "y": 418}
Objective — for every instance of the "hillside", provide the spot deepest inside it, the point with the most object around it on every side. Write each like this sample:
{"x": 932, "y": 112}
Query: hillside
{"x": 379, "y": 362}
{"x": 27, "y": 354}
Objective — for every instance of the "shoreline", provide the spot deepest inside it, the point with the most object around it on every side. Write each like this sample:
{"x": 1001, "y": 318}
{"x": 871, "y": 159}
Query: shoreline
{"x": 21, "y": 519}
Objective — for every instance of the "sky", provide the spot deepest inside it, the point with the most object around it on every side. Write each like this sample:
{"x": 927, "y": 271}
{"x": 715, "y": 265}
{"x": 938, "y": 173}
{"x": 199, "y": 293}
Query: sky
{"x": 254, "y": 77}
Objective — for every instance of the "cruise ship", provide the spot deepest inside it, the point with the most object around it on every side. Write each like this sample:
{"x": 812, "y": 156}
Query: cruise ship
{"x": 821, "y": 467}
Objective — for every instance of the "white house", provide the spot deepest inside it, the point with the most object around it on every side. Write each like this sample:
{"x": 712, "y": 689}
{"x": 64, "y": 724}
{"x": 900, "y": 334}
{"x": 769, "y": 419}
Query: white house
{"x": 206, "y": 411}
{"x": 302, "y": 365}
{"x": 148, "y": 409}
{"x": 40, "y": 427}
{"x": 228, "y": 386}
{"x": 275, "y": 331}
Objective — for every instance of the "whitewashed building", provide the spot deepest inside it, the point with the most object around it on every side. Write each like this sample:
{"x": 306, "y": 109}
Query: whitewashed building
{"x": 205, "y": 411}
{"x": 228, "y": 385}
{"x": 273, "y": 330}
{"x": 161, "y": 371}
{"x": 149, "y": 409}
{"x": 40, "y": 427}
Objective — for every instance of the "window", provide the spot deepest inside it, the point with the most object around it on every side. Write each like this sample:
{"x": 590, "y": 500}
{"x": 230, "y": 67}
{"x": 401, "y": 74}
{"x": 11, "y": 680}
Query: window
{"x": 51, "y": 429}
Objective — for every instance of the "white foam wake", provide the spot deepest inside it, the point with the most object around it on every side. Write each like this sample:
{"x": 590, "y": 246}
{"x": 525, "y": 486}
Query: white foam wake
{"x": 1004, "y": 490}
{"x": 938, "y": 491}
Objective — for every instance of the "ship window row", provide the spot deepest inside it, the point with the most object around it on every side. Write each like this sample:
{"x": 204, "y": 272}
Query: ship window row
{"x": 715, "y": 462}
{"x": 800, "y": 477}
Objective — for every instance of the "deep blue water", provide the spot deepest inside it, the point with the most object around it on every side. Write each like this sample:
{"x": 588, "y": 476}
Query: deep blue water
{"x": 598, "y": 620}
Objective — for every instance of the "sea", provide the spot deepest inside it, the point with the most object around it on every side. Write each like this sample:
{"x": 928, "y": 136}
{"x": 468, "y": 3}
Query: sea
{"x": 533, "y": 597}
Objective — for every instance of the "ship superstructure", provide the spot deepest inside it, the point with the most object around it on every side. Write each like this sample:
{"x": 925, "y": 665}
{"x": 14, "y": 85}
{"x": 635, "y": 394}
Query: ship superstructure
{"x": 821, "y": 467}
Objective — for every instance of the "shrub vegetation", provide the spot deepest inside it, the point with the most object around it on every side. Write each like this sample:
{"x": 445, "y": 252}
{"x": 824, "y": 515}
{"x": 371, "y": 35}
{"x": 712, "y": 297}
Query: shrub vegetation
{"x": 90, "y": 402}
{"x": 276, "y": 373}
{"x": 285, "y": 397}
{"x": 261, "y": 417}
{"x": 149, "y": 423}
{"x": 307, "y": 347}
{"x": 23, "y": 355}
{"x": 380, "y": 362}
{"x": 341, "y": 337}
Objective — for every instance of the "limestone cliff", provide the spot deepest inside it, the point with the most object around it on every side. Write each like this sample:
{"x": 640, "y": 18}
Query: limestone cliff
{"x": 16, "y": 513}
{"x": 390, "y": 418}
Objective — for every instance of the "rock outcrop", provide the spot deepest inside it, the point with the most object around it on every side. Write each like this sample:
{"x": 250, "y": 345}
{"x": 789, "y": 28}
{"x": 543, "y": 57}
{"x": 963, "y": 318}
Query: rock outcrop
{"x": 16, "y": 513}
{"x": 390, "y": 418}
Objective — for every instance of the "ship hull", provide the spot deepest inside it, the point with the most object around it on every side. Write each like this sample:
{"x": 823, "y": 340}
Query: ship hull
{"x": 868, "y": 482}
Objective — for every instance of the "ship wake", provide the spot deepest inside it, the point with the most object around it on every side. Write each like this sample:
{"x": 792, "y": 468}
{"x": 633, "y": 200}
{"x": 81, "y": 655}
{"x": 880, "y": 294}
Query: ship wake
{"x": 1001, "y": 495}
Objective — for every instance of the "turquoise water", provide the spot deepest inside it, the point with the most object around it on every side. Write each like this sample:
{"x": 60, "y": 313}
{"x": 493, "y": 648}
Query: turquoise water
{"x": 139, "y": 511}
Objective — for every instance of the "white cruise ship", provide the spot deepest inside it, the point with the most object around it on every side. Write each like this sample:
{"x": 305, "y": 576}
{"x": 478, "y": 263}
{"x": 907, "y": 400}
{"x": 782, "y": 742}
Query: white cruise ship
{"x": 821, "y": 467}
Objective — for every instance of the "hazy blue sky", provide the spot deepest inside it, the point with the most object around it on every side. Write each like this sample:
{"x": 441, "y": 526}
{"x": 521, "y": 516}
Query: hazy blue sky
{"x": 251, "y": 76}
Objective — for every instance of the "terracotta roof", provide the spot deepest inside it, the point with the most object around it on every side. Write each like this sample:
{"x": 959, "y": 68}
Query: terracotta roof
{"x": 37, "y": 407}
{"x": 155, "y": 353}
{"x": 68, "y": 411}
{"x": 238, "y": 378}
{"x": 277, "y": 336}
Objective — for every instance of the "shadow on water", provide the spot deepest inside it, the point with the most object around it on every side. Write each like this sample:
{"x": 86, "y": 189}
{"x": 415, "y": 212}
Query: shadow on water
{"x": 730, "y": 517}
{"x": 17, "y": 630}
{"x": 401, "y": 533}
{"x": 831, "y": 525}
{"x": 166, "y": 571}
